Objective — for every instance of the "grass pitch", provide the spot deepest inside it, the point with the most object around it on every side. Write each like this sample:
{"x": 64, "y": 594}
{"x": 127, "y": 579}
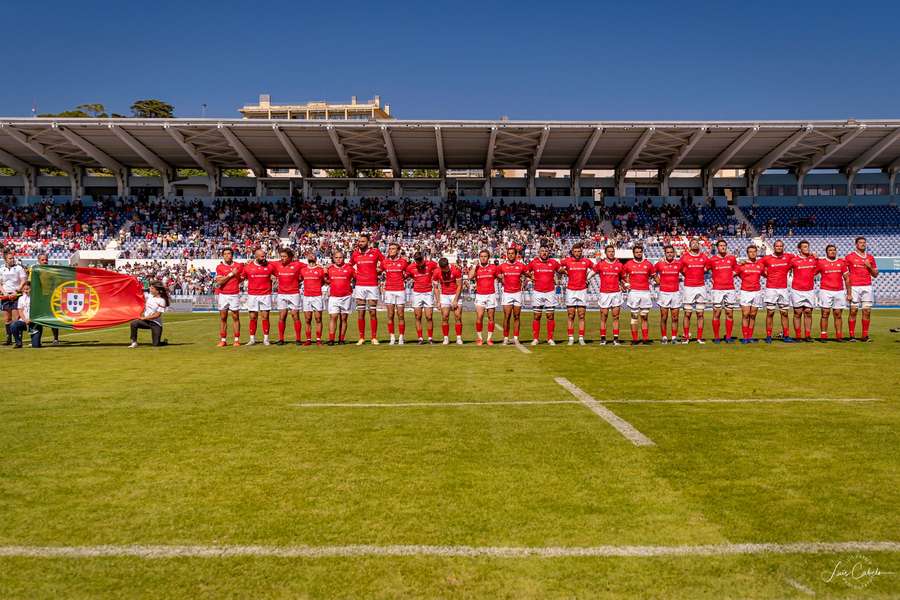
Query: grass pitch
{"x": 195, "y": 445}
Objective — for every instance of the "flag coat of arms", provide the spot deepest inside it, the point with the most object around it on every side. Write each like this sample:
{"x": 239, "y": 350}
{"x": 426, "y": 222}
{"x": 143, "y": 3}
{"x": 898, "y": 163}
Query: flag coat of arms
{"x": 83, "y": 297}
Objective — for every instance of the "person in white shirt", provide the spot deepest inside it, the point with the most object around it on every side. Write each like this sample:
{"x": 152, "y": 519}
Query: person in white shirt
{"x": 12, "y": 278}
{"x": 157, "y": 303}
{"x": 23, "y": 324}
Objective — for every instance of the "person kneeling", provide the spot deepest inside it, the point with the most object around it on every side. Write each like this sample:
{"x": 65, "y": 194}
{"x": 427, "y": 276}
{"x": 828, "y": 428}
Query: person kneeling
{"x": 157, "y": 303}
{"x": 24, "y": 323}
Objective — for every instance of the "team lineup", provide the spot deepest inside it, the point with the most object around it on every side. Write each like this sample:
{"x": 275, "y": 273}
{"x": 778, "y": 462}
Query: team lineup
{"x": 677, "y": 284}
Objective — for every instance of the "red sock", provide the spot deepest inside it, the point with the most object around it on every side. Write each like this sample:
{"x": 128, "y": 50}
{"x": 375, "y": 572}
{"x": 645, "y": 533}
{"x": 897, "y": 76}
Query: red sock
{"x": 373, "y": 326}
{"x": 458, "y": 327}
{"x": 581, "y": 329}
{"x": 479, "y": 326}
{"x": 281, "y": 327}
{"x": 516, "y": 330}
{"x": 222, "y": 331}
{"x": 865, "y": 327}
{"x": 361, "y": 326}
{"x": 729, "y": 327}
{"x": 253, "y": 327}
{"x": 418, "y": 331}
{"x": 331, "y": 336}
{"x": 744, "y": 334}
{"x": 570, "y": 331}
{"x": 645, "y": 331}
{"x": 490, "y": 327}
{"x": 634, "y": 335}
{"x": 551, "y": 325}
{"x": 768, "y": 332}
{"x": 265, "y": 324}
{"x": 319, "y": 331}
{"x": 699, "y": 332}
{"x": 430, "y": 332}
{"x": 297, "y": 330}
{"x": 402, "y": 327}
{"x": 838, "y": 333}
{"x": 796, "y": 332}
{"x": 535, "y": 328}
{"x": 309, "y": 331}
{"x": 824, "y": 335}
{"x": 602, "y": 331}
{"x": 390, "y": 328}
{"x": 674, "y": 331}
{"x": 615, "y": 332}
{"x": 505, "y": 331}
{"x": 716, "y": 324}
{"x": 662, "y": 330}
{"x": 687, "y": 331}
{"x": 851, "y": 326}
{"x": 445, "y": 329}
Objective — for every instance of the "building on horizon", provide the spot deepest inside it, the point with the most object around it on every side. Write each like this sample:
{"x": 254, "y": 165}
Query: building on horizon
{"x": 317, "y": 110}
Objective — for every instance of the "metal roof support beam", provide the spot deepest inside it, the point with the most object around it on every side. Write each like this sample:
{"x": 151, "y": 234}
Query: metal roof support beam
{"x": 728, "y": 153}
{"x": 829, "y": 150}
{"x": 635, "y": 151}
{"x": 392, "y": 155}
{"x": 676, "y": 160}
{"x": 28, "y": 172}
{"x": 150, "y": 157}
{"x": 439, "y": 144}
{"x": 191, "y": 150}
{"x": 489, "y": 158}
{"x": 341, "y": 152}
{"x": 119, "y": 171}
{"x": 875, "y": 151}
{"x": 50, "y": 156}
{"x": 575, "y": 184}
{"x": 538, "y": 153}
{"x": 892, "y": 174}
{"x": 588, "y": 148}
{"x": 662, "y": 177}
{"x": 238, "y": 146}
{"x": 289, "y": 147}
{"x": 780, "y": 150}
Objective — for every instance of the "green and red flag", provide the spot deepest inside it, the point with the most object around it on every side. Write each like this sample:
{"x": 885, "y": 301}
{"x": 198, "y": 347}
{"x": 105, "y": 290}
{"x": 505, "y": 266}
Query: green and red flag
{"x": 83, "y": 297}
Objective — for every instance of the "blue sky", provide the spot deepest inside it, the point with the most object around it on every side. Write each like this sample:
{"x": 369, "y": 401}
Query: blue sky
{"x": 465, "y": 60}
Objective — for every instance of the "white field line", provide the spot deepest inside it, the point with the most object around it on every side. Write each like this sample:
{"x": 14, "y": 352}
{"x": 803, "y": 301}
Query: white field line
{"x": 354, "y": 550}
{"x": 622, "y": 426}
{"x": 522, "y": 349}
{"x": 740, "y": 400}
{"x": 96, "y": 331}
{"x": 427, "y": 404}
{"x": 799, "y": 586}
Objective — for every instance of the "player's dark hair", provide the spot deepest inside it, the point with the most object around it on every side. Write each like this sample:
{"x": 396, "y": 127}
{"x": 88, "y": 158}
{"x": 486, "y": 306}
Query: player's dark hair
{"x": 754, "y": 246}
{"x": 443, "y": 263}
{"x": 856, "y": 241}
{"x": 418, "y": 256}
{"x": 365, "y": 235}
{"x": 801, "y": 242}
{"x": 636, "y": 246}
{"x": 224, "y": 250}
{"x": 287, "y": 251}
{"x": 829, "y": 246}
{"x": 578, "y": 245}
{"x": 720, "y": 241}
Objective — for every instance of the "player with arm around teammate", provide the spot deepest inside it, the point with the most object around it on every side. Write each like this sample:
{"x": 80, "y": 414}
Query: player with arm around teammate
{"x": 668, "y": 280}
{"x": 724, "y": 297}
{"x": 776, "y": 268}
{"x": 750, "y": 273}
{"x": 835, "y": 292}
{"x": 542, "y": 270}
{"x": 447, "y": 289}
{"x": 484, "y": 274}
{"x": 636, "y": 278}
{"x": 227, "y": 284}
{"x": 609, "y": 269}
{"x": 288, "y": 273}
{"x": 258, "y": 273}
{"x": 511, "y": 272}
{"x": 694, "y": 265}
{"x": 366, "y": 259}
{"x": 394, "y": 268}
{"x": 863, "y": 269}
{"x": 577, "y": 270}
{"x": 340, "y": 277}
{"x": 421, "y": 271}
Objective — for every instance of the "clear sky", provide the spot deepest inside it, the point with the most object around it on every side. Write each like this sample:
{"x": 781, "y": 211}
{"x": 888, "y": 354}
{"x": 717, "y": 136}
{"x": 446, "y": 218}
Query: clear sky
{"x": 464, "y": 60}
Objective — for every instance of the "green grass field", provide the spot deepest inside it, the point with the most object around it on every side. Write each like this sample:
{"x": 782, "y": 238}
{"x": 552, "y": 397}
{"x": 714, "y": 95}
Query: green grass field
{"x": 192, "y": 445}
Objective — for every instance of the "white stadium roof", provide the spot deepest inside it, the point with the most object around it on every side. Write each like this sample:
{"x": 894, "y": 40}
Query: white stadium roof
{"x": 259, "y": 144}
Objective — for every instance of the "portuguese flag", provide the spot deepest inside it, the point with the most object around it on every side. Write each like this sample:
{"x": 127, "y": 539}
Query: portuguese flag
{"x": 83, "y": 298}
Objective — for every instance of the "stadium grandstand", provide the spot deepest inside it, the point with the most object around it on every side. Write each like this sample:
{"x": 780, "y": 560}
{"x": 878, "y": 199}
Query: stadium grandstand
{"x": 108, "y": 191}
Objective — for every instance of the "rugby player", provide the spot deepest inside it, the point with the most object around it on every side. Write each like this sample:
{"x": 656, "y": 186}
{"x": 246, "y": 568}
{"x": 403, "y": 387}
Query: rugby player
{"x": 288, "y": 272}
{"x": 724, "y": 297}
{"x": 484, "y": 274}
{"x": 542, "y": 270}
{"x": 227, "y": 287}
{"x": 447, "y": 288}
{"x": 394, "y": 268}
{"x": 636, "y": 276}
{"x": 340, "y": 277}
{"x": 421, "y": 271}
{"x": 694, "y": 265}
{"x": 313, "y": 279}
{"x": 610, "y": 272}
{"x": 776, "y": 267}
{"x": 12, "y": 280}
{"x": 750, "y": 272}
{"x": 668, "y": 278}
{"x": 366, "y": 259}
{"x": 803, "y": 298}
{"x": 258, "y": 273}
{"x": 511, "y": 272}
{"x": 577, "y": 269}
{"x": 862, "y": 270}
{"x": 835, "y": 292}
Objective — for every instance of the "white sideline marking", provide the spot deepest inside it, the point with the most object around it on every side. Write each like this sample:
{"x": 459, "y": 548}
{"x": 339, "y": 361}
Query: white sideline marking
{"x": 622, "y": 426}
{"x": 426, "y": 404}
{"x": 799, "y": 586}
{"x": 226, "y": 551}
{"x": 523, "y": 349}
{"x": 96, "y": 331}
{"x": 740, "y": 400}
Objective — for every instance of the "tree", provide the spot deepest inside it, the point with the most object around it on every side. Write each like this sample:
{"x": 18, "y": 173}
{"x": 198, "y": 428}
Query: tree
{"x": 376, "y": 173}
{"x": 93, "y": 110}
{"x": 7, "y": 172}
{"x": 235, "y": 173}
{"x": 335, "y": 172}
{"x": 185, "y": 173}
{"x": 152, "y": 109}
{"x": 429, "y": 173}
